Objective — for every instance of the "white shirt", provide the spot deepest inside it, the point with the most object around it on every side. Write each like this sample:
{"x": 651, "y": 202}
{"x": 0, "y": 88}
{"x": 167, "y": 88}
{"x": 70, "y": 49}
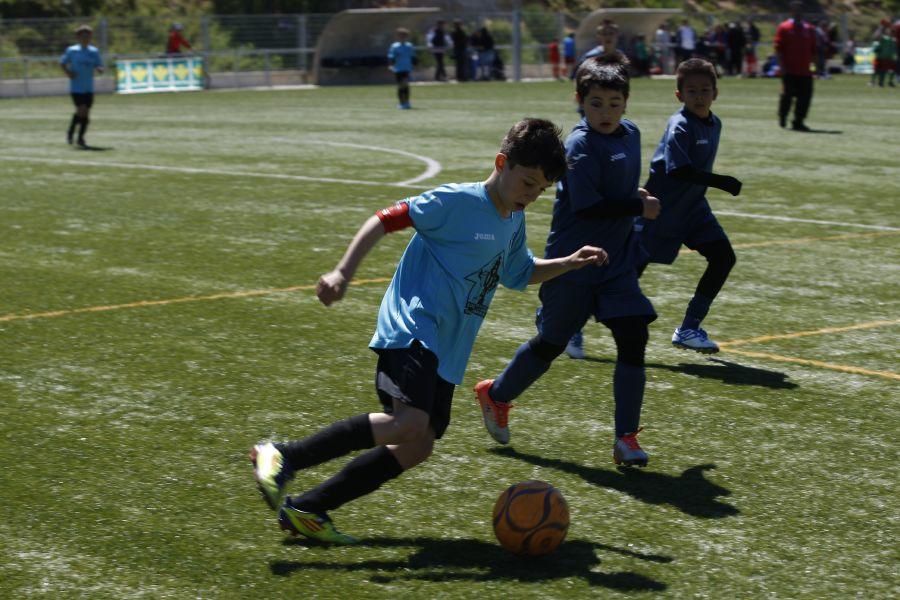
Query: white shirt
{"x": 688, "y": 37}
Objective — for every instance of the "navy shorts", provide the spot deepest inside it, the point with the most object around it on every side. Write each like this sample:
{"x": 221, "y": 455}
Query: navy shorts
{"x": 83, "y": 99}
{"x": 566, "y": 307}
{"x": 664, "y": 250}
{"x": 402, "y": 77}
{"x": 410, "y": 376}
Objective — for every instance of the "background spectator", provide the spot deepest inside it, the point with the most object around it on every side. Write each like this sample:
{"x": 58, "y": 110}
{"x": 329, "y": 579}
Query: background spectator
{"x": 176, "y": 40}
{"x": 460, "y": 40}
{"x": 438, "y": 42}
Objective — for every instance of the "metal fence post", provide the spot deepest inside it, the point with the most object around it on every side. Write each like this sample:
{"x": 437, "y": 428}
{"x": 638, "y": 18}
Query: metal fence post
{"x": 204, "y": 32}
{"x": 267, "y": 68}
{"x": 517, "y": 42}
{"x": 302, "y": 41}
{"x": 234, "y": 68}
{"x": 25, "y": 76}
{"x": 104, "y": 35}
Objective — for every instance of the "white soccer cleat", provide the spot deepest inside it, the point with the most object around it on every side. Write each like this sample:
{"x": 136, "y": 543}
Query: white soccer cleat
{"x": 694, "y": 339}
{"x": 575, "y": 347}
{"x": 270, "y": 473}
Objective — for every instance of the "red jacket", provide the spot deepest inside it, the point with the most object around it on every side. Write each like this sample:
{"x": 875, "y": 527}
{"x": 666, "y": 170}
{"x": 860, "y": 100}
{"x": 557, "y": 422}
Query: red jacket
{"x": 795, "y": 44}
{"x": 176, "y": 42}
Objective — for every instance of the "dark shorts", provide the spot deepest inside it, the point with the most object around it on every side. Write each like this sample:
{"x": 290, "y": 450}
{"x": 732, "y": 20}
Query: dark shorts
{"x": 566, "y": 307}
{"x": 664, "y": 250}
{"x": 401, "y": 77}
{"x": 83, "y": 99}
{"x": 410, "y": 376}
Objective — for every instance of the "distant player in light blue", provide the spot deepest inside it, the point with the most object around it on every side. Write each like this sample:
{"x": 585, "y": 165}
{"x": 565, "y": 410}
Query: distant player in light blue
{"x": 79, "y": 63}
{"x": 468, "y": 239}
{"x": 401, "y": 58}
{"x": 596, "y": 205}
{"x": 680, "y": 173}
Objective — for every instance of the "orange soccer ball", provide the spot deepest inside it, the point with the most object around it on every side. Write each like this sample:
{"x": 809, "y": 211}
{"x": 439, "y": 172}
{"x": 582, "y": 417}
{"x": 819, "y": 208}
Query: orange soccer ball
{"x": 531, "y": 518}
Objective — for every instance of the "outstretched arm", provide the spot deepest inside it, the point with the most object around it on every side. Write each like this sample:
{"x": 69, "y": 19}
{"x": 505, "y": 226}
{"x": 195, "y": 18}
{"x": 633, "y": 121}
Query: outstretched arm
{"x": 726, "y": 183}
{"x": 332, "y": 285}
{"x": 548, "y": 268}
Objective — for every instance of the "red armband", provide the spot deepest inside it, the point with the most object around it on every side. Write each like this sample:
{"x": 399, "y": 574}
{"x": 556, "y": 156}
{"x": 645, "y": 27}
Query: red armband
{"x": 395, "y": 217}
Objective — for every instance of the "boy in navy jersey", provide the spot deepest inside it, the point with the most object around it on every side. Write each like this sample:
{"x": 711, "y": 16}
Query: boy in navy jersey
{"x": 468, "y": 239}
{"x": 680, "y": 173}
{"x": 596, "y": 205}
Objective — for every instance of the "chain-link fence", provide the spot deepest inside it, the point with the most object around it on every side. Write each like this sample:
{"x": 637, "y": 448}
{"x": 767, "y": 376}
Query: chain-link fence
{"x": 253, "y": 50}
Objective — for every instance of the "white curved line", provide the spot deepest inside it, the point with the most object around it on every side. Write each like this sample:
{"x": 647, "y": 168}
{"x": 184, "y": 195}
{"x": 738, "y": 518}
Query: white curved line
{"x": 433, "y": 166}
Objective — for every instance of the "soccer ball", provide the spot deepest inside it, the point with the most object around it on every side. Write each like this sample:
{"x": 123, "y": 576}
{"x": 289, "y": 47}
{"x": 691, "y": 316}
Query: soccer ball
{"x": 531, "y": 518}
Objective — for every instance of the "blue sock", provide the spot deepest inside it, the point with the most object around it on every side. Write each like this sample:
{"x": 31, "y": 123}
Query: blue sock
{"x": 697, "y": 310}
{"x": 525, "y": 368}
{"x": 628, "y": 391}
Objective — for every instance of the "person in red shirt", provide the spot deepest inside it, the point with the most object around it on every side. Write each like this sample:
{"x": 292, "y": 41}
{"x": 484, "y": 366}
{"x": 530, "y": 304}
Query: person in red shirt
{"x": 176, "y": 40}
{"x": 795, "y": 45}
{"x": 553, "y": 57}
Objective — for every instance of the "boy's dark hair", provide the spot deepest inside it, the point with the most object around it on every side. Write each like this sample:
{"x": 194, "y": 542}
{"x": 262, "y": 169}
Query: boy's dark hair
{"x": 536, "y": 143}
{"x": 606, "y": 72}
{"x": 695, "y": 66}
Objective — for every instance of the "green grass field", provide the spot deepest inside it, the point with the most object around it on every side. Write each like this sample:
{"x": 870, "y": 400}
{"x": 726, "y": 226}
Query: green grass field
{"x": 157, "y": 318}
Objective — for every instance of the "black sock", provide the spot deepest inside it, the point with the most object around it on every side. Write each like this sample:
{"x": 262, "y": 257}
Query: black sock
{"x": 335, "y": 440}
{"x": 83, "y": 128}
{"x": 362, "y": 475}
{"x": 75, "y": 120}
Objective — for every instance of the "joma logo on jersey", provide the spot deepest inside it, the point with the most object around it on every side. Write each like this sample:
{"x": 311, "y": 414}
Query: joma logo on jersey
{"x": 619, "y": 156}
{"x": 702, "y": 142}
{"x": 484, "y": 236}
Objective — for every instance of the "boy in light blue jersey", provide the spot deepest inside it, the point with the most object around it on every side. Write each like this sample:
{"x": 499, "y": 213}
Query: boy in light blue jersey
{"x": 79, "y": 63}
{"x": 596, "y": 205}
{"x": 401, "y": 58}
{"x": 468, "y": 239}
{"x": 680, "y": 173}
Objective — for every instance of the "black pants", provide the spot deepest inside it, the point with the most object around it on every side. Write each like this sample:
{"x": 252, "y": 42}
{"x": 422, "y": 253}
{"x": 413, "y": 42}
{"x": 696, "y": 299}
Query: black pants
{"x": 462, "y": 65}
{"x": 799, "y": 87}
{"x": 440, "y": 74}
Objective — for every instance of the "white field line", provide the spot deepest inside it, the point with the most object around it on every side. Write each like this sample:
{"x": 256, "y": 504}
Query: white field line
{"x": 199, "y": 171}
{"x": 729, "y": 213}
{"x": 433, "y": 167}
{"x": 403, "y": 184}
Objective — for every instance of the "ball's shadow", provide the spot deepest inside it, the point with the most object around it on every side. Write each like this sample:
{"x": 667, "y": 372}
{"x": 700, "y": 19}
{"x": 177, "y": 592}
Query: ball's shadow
{"x": 474, "y": 560}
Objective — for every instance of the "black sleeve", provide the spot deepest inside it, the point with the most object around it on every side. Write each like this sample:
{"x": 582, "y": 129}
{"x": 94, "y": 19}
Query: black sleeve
{"x": 726, "y": 183}
{"x": 631, "y": 207}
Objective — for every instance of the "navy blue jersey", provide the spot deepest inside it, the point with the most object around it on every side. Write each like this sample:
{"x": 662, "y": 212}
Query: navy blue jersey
{"x": 603, "y": 170}
{"x": 687, "y": 140}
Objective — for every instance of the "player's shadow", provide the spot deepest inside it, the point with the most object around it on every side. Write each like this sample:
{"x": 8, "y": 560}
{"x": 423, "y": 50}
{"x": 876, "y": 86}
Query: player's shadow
{"x": 824, "y": 131}
{"x": 689, "y": 492}
{"x": 724, "y": 371}
{"x": 88, "y": 148}
{"x": 474, "y": 560}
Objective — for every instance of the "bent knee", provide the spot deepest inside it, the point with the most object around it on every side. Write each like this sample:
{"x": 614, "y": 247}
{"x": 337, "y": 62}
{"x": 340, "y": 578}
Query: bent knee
{"x": 545, "y": 350}
{"x": 411, "y": 454}
{"x": 411, "y": 428}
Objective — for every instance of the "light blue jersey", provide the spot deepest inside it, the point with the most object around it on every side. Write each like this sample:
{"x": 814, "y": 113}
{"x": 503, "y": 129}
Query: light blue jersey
{"x": 401, "y": 55}
{"x": 82, "y": 62}
{"x": 449, "y": 272}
